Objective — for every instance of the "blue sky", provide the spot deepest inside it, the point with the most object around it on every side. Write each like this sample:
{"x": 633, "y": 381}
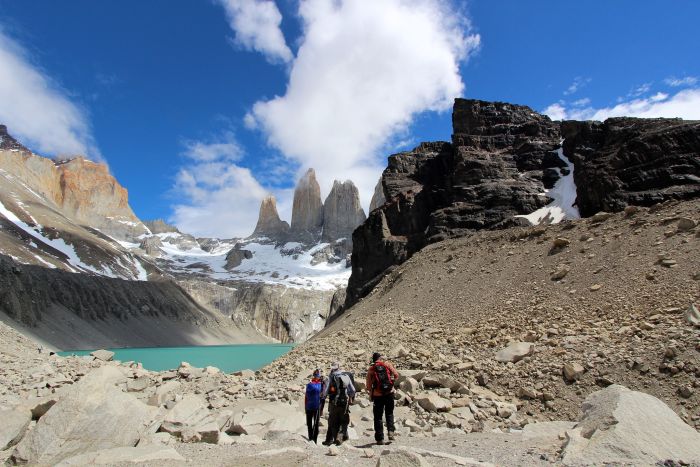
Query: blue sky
{"x": 201, "y": 107}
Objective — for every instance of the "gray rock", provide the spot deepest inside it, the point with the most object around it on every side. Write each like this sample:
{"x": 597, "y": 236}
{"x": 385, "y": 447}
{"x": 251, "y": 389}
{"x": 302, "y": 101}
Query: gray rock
{"x": 620, "y": 426}
{"x": 401, "y": 458}
{"x": 685, "y": 223}
{"x": 433, "y": 403}
{"x": 269, "y": 223}
{"x": 163, "y": 392}
{"x": 307, "y": 210}
{"x": 104, "y": 355}
{"x": 342, "y": 212}
{"x": 692, "y": 315}
{"x": 572, "y": 371}
{"x": 139, "y": 384}
{"x": 93, "y": 415}
{"x": 235, "y": 257}
{"x": 13, "y": 426}
{"x": 515, "y": 352}
{"x": 378, "y": 198}
{"x": 150, "y": 453}
{"x": 191, "y": 413}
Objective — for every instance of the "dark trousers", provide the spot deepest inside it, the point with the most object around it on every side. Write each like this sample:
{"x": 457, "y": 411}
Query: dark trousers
{"x": 312, "y": 418}
{"x": 338, "y": 419}
{"x": 383, "y": 405}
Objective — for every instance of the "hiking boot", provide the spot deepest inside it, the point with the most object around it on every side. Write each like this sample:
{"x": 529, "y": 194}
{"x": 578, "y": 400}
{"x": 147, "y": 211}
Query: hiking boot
{"x": 392, "y": 436}
{"x": 326, "y": 443}
{"x": 338, "y": 441}
{"x": 380, "y": 442}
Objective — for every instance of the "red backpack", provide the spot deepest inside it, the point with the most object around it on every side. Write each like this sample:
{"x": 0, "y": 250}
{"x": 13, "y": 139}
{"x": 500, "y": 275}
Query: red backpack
{"x": 382, "y": 378}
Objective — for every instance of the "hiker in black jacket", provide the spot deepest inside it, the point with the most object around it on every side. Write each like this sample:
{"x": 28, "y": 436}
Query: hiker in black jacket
{"x": 340, "y": 394}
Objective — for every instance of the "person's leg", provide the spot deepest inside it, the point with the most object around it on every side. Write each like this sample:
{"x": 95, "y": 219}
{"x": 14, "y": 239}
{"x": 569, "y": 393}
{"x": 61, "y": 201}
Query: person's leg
{"x": 317, "y": 419}
{"x": 378, "y": 410}
{"x": 310, "y": 423}
{"x": 333, "y": 423}
{"x": 389, "y": 408}
{"x": 346, "y": 423}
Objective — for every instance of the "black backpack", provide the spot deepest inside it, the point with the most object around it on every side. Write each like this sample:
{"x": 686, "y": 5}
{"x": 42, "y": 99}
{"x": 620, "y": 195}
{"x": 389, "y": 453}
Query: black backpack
{"x": 382, "y": 378}
{"x": 337, "y": 390}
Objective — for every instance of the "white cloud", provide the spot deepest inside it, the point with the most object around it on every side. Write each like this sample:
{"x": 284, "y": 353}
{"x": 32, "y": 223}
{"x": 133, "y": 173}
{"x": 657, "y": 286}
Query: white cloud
{"x": 256, "y": 24}
{"x": 362, "y": 72}
{"x": 684, "y": 104}
{"x": 228, "y": 149}
{"x": 679, "y": 82}
{"x": 579, "y": 82}
{"x": 216, "y": 196}
{"x": 36, "y": 111}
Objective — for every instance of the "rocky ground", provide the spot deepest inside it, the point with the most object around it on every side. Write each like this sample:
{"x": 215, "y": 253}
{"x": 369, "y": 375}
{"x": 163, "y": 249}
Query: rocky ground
{"x": 501, "y": 339}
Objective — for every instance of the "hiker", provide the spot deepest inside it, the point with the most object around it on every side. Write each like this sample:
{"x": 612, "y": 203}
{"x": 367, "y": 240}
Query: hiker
{"x": 381, "y": 377}
{"x": 341, "y": 393}
{"x": 312, "y": 404}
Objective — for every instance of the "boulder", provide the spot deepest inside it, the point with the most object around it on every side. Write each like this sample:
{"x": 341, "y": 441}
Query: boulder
{"x": 620, "y": 426}
{"x": 409, "y": 385}
{"x": 104, "y": 355}
{"x": 267, "y": 416}
{"x": 402, "y": 457}
{"x": 93, "y": 415}
{"x": 692, "y": 315}
{"x": 433, "y": 403}
{"x": 151, "y": 453}
{"x": 191, "y": 413}
{"x": 572, "y": 371}
{"x": 163, "y": 392}
{"x": 13, "y": 426}
{"x": 515, "y": 352}
{"x": 139, "y": 384}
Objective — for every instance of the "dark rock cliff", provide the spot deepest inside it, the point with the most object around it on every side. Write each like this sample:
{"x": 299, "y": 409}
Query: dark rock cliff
{"x": 501, "y": 158}
{"x": 633, "y": 161}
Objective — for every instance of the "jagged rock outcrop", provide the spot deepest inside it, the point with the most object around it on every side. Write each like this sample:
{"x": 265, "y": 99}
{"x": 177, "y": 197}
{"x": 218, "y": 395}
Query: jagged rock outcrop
{"x": 307, "y": 210}
{"x": 378, "y": 197}
{"x": 152, "y": 246}
{"x": 342, "y": 212}
{"x": 632, "y": 161}
{"x": 157, "y": 226}
{"x": 501, "y": 159}
{"x": 8, "y": 143}
{"x": 235, "y": 257}
{"x": 492, "y": 171}
{"x": 269, "y": 223}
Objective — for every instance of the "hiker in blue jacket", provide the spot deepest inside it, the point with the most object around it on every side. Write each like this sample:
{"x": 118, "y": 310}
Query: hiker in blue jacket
{"x": 313, "y": 405}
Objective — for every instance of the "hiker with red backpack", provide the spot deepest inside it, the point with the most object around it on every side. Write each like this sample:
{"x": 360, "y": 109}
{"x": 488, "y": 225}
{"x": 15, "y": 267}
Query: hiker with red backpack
{"x": 381, "y": 377}
{"x": 313, "y": 403}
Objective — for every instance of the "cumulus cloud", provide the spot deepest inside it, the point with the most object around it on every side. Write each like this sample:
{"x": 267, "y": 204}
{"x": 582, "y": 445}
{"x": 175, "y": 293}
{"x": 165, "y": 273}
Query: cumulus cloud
{"x": 362, "y": 72}
{"x": 684, "y": 104}
{"x": 36, "y": 110}
{"x": 216, "y": 196}
{"x": 256, "y": 24}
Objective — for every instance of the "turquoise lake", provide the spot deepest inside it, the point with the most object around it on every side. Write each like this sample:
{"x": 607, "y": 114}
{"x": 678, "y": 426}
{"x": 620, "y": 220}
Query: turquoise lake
{"x": 227, "y": 358}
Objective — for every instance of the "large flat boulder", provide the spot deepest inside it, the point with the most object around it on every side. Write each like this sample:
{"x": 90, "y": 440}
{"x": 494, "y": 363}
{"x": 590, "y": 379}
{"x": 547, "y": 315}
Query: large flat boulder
{"x": 191, "y": 420}
{"x": 93, "y": 415}
{"x": 620, "y": 426}
{"x": 515, "y": 352}
{"x": 152, "y": 454}
{"x": 264, "y": 417}
{"x": 13, "y": 426}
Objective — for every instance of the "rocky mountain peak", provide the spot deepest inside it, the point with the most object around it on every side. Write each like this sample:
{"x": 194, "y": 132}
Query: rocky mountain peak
{"x": 269, "y": 222}
{"x": 7, "y": 142}
{"x": 378, "y": 197}
{"x": 307, "y": 210}
{"x": 342, "y": 211}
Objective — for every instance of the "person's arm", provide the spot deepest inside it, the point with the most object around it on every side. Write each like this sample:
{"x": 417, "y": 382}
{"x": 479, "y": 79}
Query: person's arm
{"x": 394, "y": 373}
{"x": 369, "y": 382}
{"x": 324, "y": 388}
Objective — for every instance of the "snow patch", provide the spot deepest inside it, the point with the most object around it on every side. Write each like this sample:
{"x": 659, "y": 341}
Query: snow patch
{"x": 564, "y": 197}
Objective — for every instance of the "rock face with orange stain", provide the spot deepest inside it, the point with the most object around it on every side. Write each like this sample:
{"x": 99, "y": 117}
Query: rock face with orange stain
{"x": 90, "y": 194}
{"x": 83, "y": 190}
